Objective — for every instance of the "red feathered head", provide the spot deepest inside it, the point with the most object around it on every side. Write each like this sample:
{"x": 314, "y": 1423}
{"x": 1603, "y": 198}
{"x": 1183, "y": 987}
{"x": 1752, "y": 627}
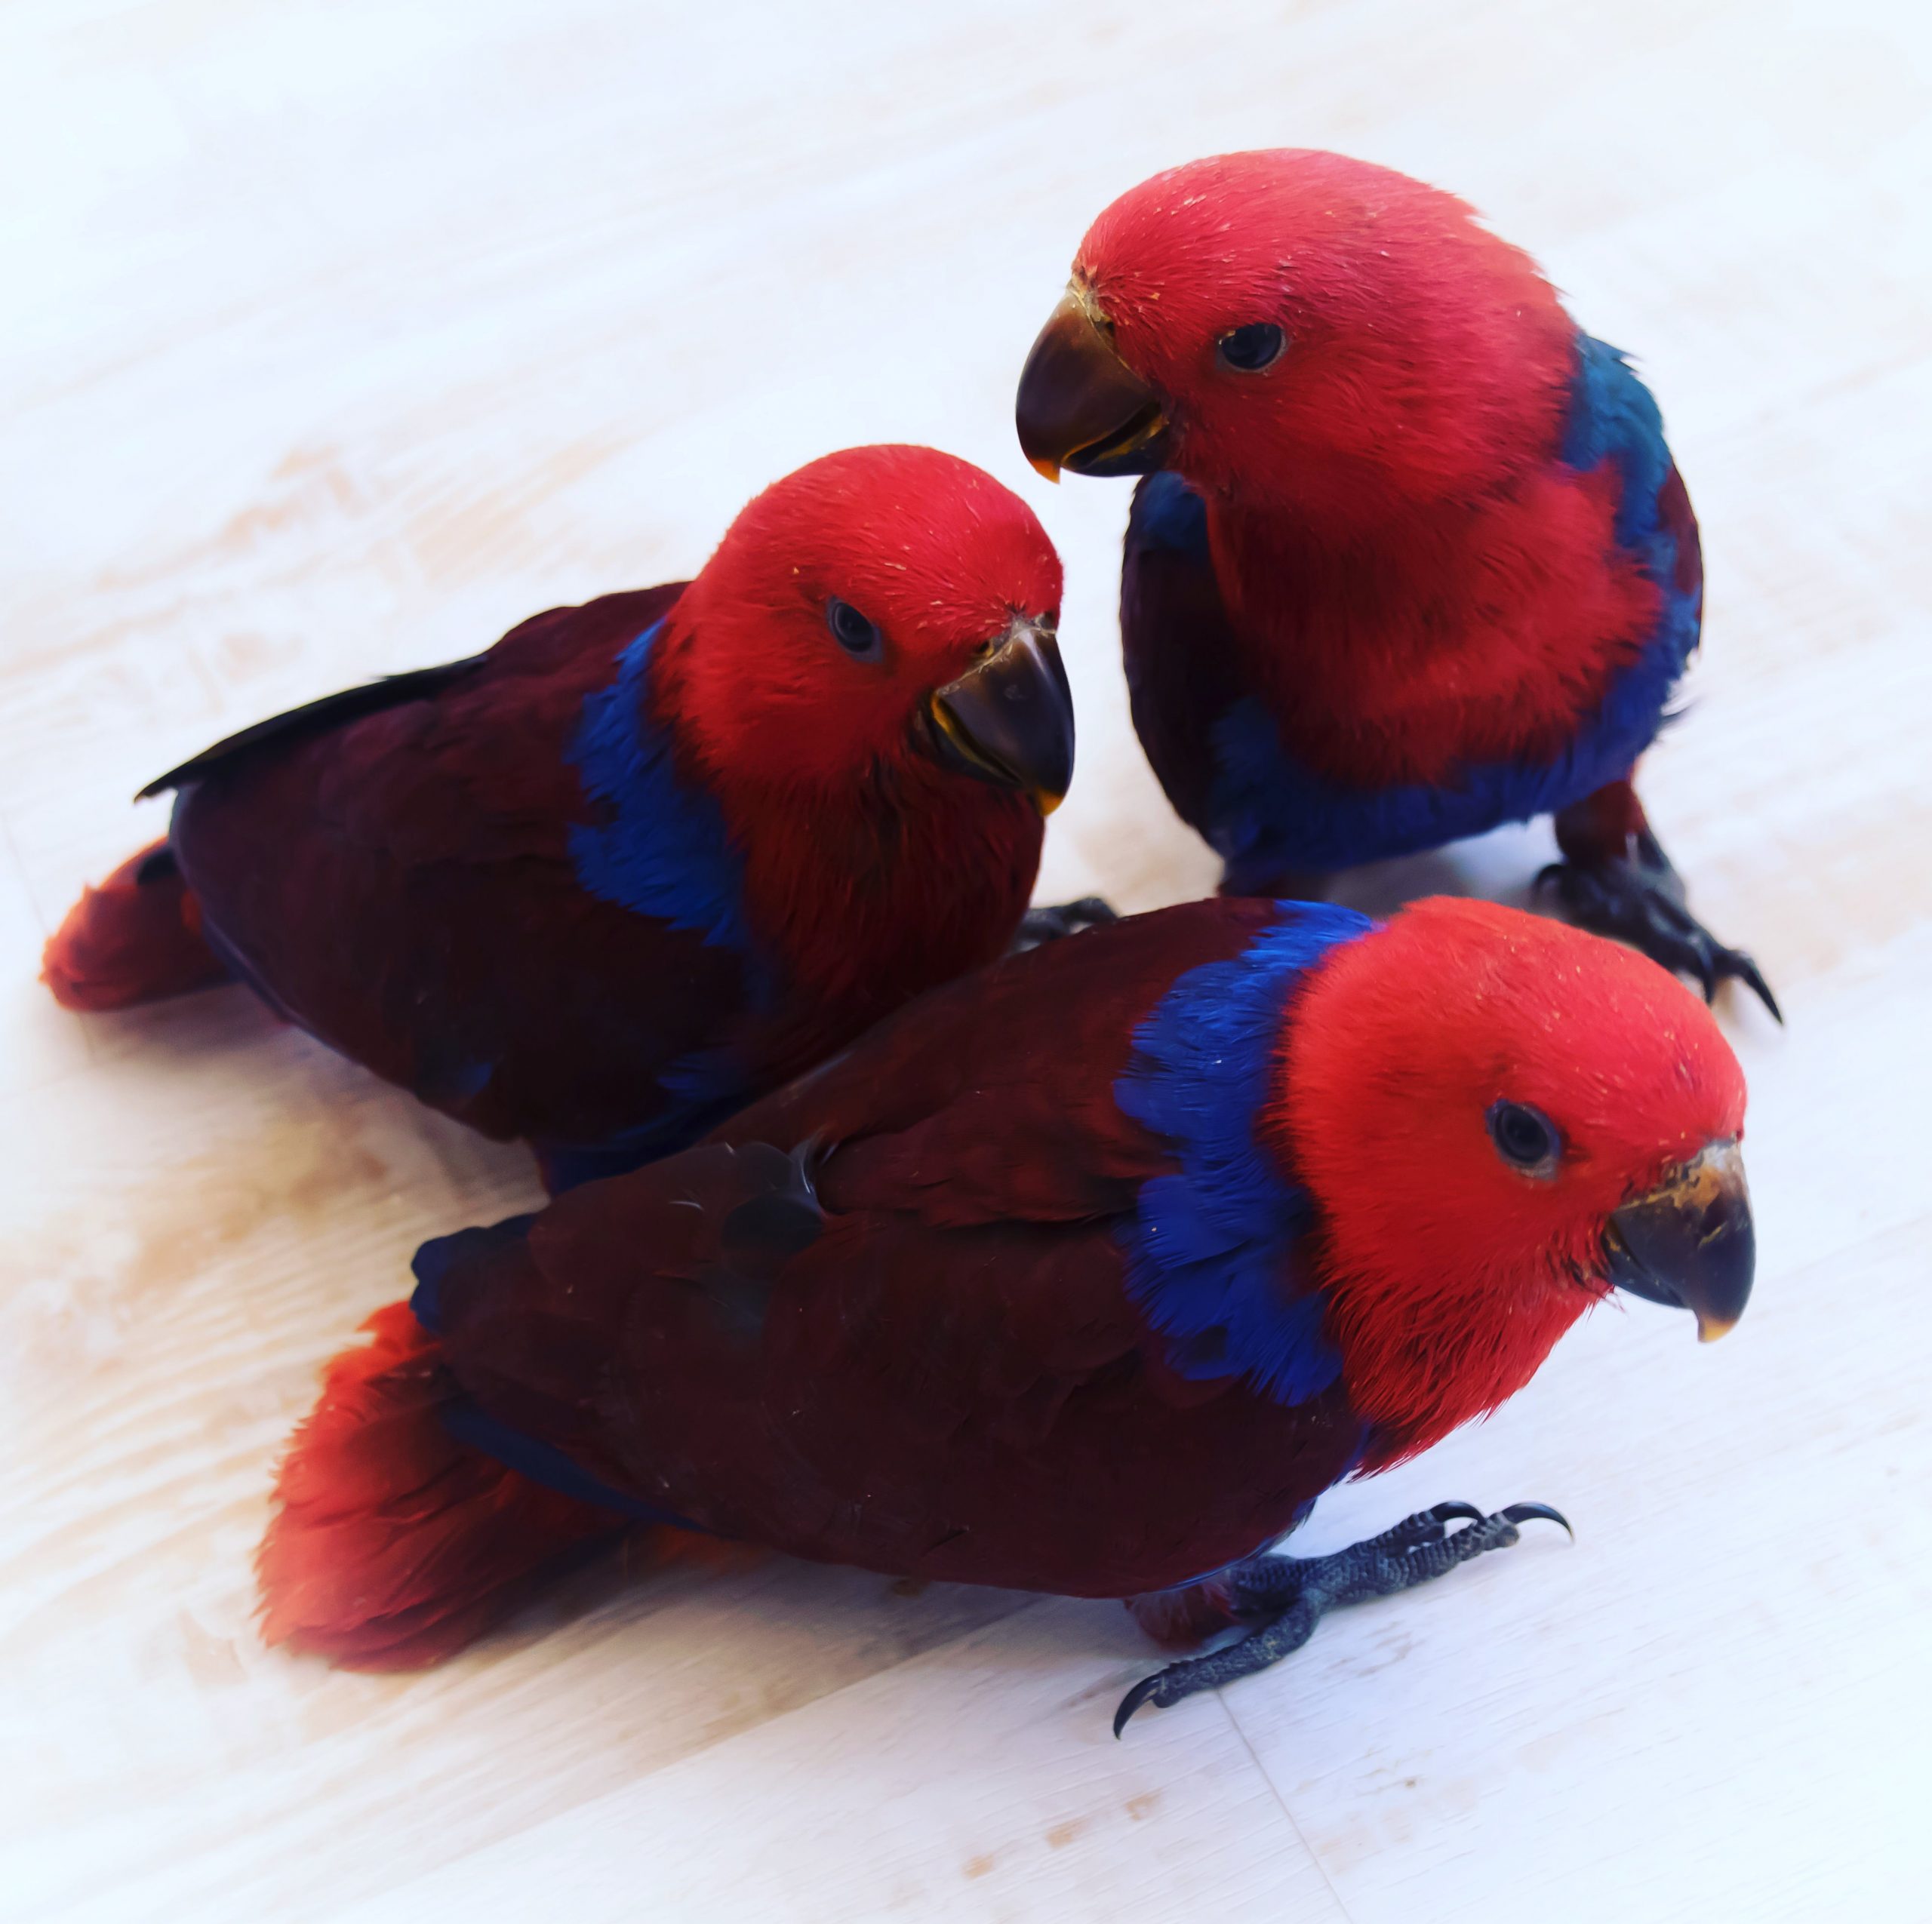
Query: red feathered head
{"x": 1299, "y": 329}
{"x": 884, "y": 609}
{"x": 1499, "y": 1118}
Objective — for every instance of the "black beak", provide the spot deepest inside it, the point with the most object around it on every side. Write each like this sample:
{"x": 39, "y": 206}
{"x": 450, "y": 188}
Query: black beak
{"x": 1690, "y": 1243}
{"x": 1009, "y": 719}
{"x": 1080, "y": 405}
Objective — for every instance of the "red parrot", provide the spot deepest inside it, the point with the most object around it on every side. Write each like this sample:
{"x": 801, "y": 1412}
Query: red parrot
{"x": 1410, "y": 558}
{"x": 646, "y": 858}
{"x": 1085, "y": 1274}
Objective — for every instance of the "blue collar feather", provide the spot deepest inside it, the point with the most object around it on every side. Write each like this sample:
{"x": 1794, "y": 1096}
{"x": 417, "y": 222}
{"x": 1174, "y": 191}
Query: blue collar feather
{"x": 663, "y": 849}
{"x": 1209, "y": 1248}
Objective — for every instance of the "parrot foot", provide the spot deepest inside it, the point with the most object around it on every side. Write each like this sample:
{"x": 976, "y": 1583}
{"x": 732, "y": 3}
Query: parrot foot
{"x": 1045, "y": 925}
{"x": 1287, "y": 1596}
{"x": 1638, "y": 897}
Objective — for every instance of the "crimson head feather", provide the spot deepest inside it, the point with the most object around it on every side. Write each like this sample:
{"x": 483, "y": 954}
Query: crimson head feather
{"x": 1472, "y": 1095}
{"x": 1306, "y": 328}
{"x": 844, "y": 599}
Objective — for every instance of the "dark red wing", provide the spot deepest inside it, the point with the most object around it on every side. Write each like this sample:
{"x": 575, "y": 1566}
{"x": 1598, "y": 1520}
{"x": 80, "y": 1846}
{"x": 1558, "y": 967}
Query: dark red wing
{"x": 329, "y": 712}
{"x": 1681, "y": 524}
{"x": 1182, "y": 671}
{"x": 947, "y": 1379}
{"x": 399, "y": 883}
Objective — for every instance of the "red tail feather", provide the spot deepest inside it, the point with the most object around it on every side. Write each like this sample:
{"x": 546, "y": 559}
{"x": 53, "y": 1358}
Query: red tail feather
{"x": 393, "y": 1545}
{"x": 137, "y": 938}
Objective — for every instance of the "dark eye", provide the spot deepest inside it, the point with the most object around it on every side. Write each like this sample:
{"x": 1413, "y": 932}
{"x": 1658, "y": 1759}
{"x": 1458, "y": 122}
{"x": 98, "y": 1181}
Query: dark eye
{"x": 855, "y": 634}
{"x": 1524, "y": 1137}
{"x": 1248, "y": 350}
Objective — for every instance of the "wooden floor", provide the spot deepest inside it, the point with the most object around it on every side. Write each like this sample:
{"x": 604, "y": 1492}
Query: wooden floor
{"x": 339, "y": 335}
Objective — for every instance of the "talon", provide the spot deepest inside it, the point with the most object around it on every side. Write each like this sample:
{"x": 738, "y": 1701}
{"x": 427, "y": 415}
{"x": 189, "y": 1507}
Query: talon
{"x": 1738, "y": 963}
{"x": 1040, "y": 926}
{"x": 1134, "y": 1699}
{"x": 1092, "y": 910}
{"x": 1640, "y": 902}
{"x": 1290, "y": 1595}
{"x": 1523, "y": 1513}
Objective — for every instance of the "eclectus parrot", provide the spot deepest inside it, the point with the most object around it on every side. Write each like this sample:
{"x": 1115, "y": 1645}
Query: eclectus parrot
{"x": 1086, "y": 1274}
{"x": 1410, "y": 559}
{"x": 644, "y": 858}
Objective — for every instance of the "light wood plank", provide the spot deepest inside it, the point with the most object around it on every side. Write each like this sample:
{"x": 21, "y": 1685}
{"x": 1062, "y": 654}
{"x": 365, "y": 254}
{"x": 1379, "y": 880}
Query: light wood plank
{"x": 338, "y": 338}
{"x": 980, "y": 1781}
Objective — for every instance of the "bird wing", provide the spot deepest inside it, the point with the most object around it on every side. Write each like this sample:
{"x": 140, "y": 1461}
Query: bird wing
{"x": 1182, "y": 673}
{"x": 399, "y": 869}
{"x": 881, "y": 1318}
{"x": 315, "y": 718}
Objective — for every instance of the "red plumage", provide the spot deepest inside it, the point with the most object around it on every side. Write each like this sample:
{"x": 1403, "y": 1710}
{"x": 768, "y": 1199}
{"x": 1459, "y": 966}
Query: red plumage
{"x": 137, "y": 937}
{"x": 1431, "y": 359}
{"x": 1639, "y": 1072}
{"x": 1410, "y": 559}
{"x": 874, "y": 871}
{"x": 1477, "y": 638}
{"x": 898, "y": 1314}
{"x": 393, "y": 1545}
{"x": 645, "y": 857}
{"x": 1412, "y": 582}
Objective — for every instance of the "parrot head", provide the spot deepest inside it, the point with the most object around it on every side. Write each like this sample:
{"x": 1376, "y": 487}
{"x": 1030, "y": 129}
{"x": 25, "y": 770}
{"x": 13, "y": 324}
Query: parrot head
{"x": 1500, "y": 1120}
{"x": 1295, "y": 329}
{"x": 882, "y": 614}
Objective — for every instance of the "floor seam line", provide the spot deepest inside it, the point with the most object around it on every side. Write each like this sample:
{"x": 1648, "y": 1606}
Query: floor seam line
{"x": 1282, "y": 1803}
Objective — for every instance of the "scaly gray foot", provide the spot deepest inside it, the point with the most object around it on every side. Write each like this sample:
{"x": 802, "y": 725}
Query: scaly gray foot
{"x": 1639, "y": 899}
{"x": 1287, "y": 1596}
{"x": 1045, "y": 925}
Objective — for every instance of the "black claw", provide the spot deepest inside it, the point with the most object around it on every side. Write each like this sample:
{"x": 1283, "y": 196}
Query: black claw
{"x": 1738, "y": 963}
{"x": 1641, "y": 902}
{"x": 1284, "y": 1598}
{"x": 1067, "y": 918}
{"x": 1134, "y": 1699}
{"x": 1093, "y": 910}
{"x": 1523, "y": 1513}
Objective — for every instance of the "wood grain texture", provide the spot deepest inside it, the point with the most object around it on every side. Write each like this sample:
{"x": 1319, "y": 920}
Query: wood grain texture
{"x": 337, "y": 337}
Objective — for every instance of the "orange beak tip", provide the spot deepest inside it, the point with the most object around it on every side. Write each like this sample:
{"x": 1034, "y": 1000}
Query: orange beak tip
{"x": 1047, "y": 469}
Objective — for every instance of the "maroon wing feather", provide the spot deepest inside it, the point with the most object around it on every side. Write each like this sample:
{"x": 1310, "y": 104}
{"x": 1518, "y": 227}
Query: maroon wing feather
{"x": 398, "y": 882}
{"x": 315, "y": 718}
{"x": 948, "y": 1379}
{"x": 1178, "y": 648}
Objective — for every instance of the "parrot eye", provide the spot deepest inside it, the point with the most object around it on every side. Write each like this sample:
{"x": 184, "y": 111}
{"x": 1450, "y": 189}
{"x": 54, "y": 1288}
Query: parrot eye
{"x": 1525, "y": 1138}
{"x": 853, "y": 632}
{"x": 1249, "y": 349}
